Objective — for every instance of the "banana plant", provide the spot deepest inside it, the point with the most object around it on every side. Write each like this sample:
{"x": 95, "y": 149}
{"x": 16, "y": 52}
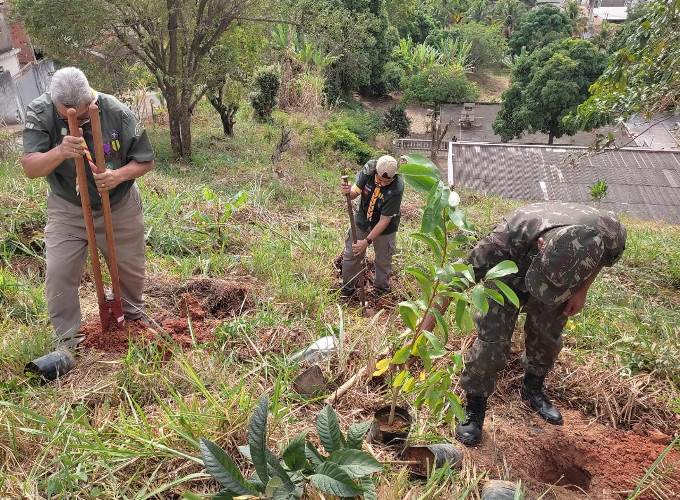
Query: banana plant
{"x": 345, "y": 470}
{"x": 444, "y": 281}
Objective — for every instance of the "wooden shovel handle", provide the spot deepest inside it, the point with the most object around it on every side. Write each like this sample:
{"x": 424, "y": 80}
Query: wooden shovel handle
{"x": 87, "y": 210}
{"x": 106, "y": 204}
{"x": 350, "y": 212}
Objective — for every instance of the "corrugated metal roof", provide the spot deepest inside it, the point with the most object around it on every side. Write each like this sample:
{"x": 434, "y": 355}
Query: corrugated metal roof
{"x": 642, "y": 183}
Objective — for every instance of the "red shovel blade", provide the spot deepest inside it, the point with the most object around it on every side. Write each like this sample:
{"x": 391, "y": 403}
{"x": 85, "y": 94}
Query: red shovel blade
{"x": 111, "y": 313}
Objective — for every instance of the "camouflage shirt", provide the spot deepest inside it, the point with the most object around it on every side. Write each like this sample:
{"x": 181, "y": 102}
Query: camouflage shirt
{"x": 516, "y": 238}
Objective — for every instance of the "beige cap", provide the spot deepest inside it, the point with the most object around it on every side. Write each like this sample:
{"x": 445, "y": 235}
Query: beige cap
{"x": 386, "y": 167}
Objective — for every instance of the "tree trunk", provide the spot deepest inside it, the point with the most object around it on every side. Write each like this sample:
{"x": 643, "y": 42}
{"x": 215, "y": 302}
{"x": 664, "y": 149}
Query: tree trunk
{"x": 174, "y": 113}
{"x": 227, "y": 113}
{"x": 551, "y": 138}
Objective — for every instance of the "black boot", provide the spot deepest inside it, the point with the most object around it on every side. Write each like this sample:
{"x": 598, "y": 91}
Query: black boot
{"x": 469, "y": 432}
{"x": 532, "y": 392}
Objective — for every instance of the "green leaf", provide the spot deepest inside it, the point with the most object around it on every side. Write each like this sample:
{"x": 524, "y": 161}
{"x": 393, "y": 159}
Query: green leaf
{"x": 221, "y": 467}
{"x": 454, "y": 199}
{"x": 439, "y": 349}
{"x": 479, "y": 299}
{"x": 222, "y": 495}
{"x": 508, "y": 292}
{"x": 313, "y": 455}
{"x": 441, "y": 323}
{"x": 431, "y": 242}
{"x": 423, "y": 280}
{"x": 329, "y": 430}
{"x": 409, "y": 314}
{"x": 463, "y": 317}
{"x": 424, "y": 355}
{"x": 294, "y": 454}
{"x": 355, "y": 463}
{"x": 399, "y": 379}
{"x": 257, "y": 438}
{"x": 458, "y": 218}
{"x": 279, "y": 471}
{"x": 331, "y": 479}
{"x": 402, "y": 355}
{"x": 501, "y": 269}
{"x": 408, "y": 385}
{"x": 431, "y": 212}
{"x": 494, "y": 295}
{"x": 420, "y": 173}
{"x": 356, "y": 434}
{"x": 368, "y": 485}
{"x": 187, "y": 495}
{"x": 274, "y": 484}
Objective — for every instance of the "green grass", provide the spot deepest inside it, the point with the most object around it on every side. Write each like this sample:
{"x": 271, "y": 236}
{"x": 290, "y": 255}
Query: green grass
{"x": 127, "y": 426}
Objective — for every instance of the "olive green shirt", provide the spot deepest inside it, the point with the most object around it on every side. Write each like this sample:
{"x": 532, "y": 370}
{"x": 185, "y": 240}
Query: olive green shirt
{"x": 387, "y": 203}
{"x": 123, "y": 135}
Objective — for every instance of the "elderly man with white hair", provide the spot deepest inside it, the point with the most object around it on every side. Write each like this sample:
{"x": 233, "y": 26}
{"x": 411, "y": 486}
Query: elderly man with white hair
{"x": 49, "y": 151}
{"x": 377, "y": 220}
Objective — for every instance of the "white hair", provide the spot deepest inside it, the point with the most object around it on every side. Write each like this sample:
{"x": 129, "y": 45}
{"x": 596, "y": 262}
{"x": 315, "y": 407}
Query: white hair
{"x": 69, "y": 87}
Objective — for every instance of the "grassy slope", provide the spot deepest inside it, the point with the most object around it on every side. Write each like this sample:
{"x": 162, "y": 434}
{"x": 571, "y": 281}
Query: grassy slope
{"x": 128, "y": 427}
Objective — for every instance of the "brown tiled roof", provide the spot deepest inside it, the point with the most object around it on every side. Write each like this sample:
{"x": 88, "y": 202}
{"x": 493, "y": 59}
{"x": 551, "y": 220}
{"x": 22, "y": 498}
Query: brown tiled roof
{"x": 641, "y": 182}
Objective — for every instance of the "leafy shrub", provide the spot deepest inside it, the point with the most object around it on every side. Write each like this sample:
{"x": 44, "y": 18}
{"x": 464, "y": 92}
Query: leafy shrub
{"x": 339, "y": 138}
{"x": 395, "y": 119}
{"x": 267, "y": 82}
{"x": 394, "y": 76}
{"x": 364, "y": 124}
{"x": 345, "y": 472}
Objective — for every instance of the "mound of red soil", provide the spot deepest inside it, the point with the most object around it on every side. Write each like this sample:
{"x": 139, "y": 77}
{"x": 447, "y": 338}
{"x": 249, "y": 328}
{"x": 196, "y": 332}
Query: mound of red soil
{"x": 190, "y": 315}
{"x": 584, "y": 459}
{"x": 191, "y": 329}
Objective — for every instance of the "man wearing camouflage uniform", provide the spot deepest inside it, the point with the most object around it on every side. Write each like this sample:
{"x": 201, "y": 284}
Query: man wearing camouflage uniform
{"x": 559, "y": 249}
{"x": 49, "y": 151}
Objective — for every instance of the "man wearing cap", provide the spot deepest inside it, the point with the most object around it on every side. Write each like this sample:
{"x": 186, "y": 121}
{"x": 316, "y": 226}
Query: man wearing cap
{"x": 49, "y": 151}
{"x": 377, "y": 221}
{"x": 559, "y": 249}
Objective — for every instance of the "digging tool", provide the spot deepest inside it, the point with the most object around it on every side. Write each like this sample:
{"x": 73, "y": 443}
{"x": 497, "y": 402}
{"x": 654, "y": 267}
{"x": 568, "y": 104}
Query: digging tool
{"x": 353, "y": 231}
{"x": 109, "y": 308}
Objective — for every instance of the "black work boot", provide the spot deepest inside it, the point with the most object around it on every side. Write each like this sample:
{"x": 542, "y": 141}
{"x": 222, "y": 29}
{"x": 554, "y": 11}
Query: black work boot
{"x": 469, "y": 432}
{"x": 532, "y": 392}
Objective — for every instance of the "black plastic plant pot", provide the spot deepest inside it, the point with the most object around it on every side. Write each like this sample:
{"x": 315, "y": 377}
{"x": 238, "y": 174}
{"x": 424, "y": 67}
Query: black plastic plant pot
{"x": 53, "y": 365}
{"x": 310, "y": 382}
{"x": 499, "y": 490}
{"x": 393, "y": 434}
{"x": 427, "y": 457}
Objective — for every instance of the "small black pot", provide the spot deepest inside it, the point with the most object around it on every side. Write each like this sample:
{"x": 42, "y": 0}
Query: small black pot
{"x": 53, "y": 365}
{"x": 310, "y": 382}
{"x": 431, "y": 455}
{"x": 394, "y": 435}
{"x": 499, "y": 490}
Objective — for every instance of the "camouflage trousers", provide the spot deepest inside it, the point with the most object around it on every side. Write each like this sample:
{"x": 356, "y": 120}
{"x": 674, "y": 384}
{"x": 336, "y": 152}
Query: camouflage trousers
{"x": 489, "y": 353}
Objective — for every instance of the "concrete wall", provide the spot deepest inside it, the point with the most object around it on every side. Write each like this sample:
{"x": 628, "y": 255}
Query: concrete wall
{"x": 10, "y": 113}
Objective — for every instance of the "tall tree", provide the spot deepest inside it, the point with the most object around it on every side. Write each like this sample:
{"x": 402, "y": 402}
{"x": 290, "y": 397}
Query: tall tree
{"x": 546, "y": 86}
{"x": 540, "y": 27}
{"x": 232, "y": 64}
{"x": 643, "y": 76}
{"x": 509, "y": 13}
{"x": 172, "y": 38}
{"x": 436, "y": 85}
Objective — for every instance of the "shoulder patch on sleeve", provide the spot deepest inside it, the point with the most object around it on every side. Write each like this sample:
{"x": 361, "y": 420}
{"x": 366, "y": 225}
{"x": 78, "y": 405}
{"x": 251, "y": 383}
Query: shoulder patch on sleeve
{"x": 139, "y": 128}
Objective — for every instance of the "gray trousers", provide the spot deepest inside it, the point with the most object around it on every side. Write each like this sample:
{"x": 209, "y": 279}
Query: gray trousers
{"x": 384, "y": 246}
{"x": 66, "y": 242}
{"x": 489, "y": 353}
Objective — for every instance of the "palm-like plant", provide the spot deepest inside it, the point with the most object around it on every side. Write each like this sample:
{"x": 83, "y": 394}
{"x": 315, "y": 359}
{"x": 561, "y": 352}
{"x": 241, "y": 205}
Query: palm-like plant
{"x": 509, "y": 13}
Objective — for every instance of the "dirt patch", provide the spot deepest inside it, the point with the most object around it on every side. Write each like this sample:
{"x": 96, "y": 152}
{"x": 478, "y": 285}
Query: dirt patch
{"x": 184, "y": 314}
{"x": 582, "y": 457}
{"x": 376, "y": 300}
